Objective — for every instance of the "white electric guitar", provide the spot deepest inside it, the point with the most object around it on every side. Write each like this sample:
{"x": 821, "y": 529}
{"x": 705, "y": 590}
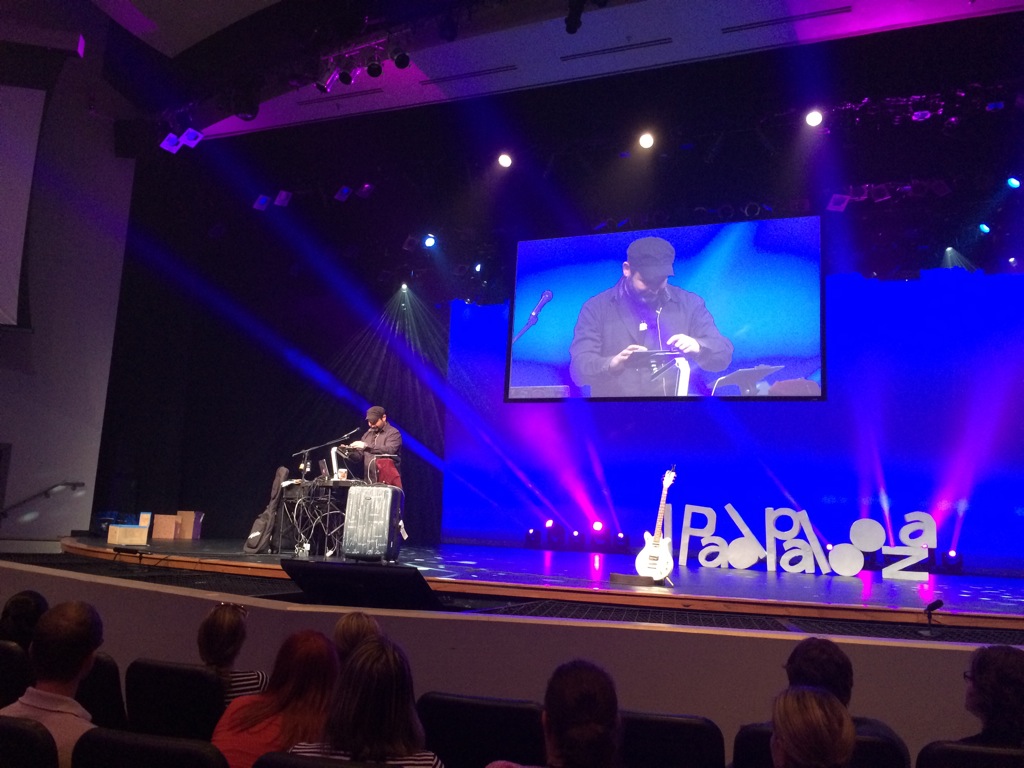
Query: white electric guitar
{"x": 655, "y": 559}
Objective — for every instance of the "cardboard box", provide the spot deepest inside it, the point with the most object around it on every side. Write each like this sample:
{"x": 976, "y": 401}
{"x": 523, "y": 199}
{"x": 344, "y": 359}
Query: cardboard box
{"x": 131, "y": 535}
{"x": 190, "y": 524}
{"x": 165, "y": 526}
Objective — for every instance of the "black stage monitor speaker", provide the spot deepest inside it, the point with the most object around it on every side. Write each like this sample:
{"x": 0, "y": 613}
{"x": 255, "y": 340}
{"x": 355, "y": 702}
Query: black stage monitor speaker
{"x": 362, "y": 585}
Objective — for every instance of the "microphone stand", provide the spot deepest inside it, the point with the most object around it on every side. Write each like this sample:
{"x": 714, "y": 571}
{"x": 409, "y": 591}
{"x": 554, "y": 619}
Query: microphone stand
{"x": 930, "y": 631}
{"x": 304, "y": 453}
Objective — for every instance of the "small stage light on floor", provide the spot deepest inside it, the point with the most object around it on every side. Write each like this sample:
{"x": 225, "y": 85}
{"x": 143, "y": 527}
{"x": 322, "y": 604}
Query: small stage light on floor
{"x": 577, "y": 540}
{"x": 952, "y": 562}
{"x": 554, "y": 534}
{"x": 621, "y": 543}
{"x": 533, "y": 538}
{"x": 599, "y": 536}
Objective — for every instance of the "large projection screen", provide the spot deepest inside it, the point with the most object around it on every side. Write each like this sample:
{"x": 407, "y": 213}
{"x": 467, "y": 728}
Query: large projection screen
{"x": 760, "y": 281}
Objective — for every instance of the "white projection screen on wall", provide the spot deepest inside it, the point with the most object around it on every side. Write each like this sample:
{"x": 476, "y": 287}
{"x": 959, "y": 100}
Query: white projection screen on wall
{"x": 21, "y": 113}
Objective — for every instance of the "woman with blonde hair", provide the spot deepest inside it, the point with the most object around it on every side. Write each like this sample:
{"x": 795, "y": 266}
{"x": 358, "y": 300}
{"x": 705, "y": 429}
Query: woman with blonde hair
{"x": 811, "y": 728}
{"x": 292, "y": 709}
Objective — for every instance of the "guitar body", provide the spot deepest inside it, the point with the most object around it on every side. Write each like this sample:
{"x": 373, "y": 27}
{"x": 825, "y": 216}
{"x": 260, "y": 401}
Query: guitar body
{"x": 655, "y": 559}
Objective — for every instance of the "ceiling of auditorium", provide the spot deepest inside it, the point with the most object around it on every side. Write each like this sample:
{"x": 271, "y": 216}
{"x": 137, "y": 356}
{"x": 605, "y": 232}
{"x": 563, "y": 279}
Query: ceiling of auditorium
{"x": 221, "y": 52}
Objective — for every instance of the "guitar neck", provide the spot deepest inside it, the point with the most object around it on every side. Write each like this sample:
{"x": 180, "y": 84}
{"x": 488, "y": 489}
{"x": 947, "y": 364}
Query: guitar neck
{"x": 661, "y": 515}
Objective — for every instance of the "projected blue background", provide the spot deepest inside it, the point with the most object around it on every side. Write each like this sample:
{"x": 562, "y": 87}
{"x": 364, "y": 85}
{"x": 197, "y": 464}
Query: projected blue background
{"x": 760, "y": 280}
{"x": 923, "y": 413}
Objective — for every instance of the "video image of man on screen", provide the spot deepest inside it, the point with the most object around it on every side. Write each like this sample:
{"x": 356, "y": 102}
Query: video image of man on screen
{"x": 639, "y": 337}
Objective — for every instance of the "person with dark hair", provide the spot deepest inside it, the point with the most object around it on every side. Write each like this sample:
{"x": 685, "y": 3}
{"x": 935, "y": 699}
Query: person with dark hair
{"x": 19, "y": 617}
{"x": 292, "y": 709}
{"x": 818, "y": 662}
{"x": 380, "y": 449}
{"x": 350, "y": 630}
{"x": 580, "y": 718}
{"x": 995, "y": 695}
{"x": 372, "y": 715}
{"x": 220, "y": 639}
{"x": 811, "y": 728}
{"x": 641, "y": 313}
{"x": 63, "y": 650}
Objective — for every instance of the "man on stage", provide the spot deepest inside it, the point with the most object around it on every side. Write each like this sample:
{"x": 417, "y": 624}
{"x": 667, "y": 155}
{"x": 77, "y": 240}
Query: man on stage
{"x": 643, "y": 312}
{"x": 380, "y": 449}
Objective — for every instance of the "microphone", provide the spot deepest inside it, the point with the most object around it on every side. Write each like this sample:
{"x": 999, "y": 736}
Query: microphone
{"x": 544, "y": 299}
{"x": 348, "y": 434}
{"x": 931, "y": 631}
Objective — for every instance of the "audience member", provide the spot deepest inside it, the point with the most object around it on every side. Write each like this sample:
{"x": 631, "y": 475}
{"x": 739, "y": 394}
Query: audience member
{"x": 292, "y": 709}
{"x": 351, "y": 629}
{"x": 580, "y": 718}
{"x": 811, "y": 728}
{"x": 220, "y": 639}
{"x": 373, "y": 716}
{"x": 995, "y": 695}
{"x": 817, "y": 662}
{"x": 19, "y": 617}
{"x": 63, "y": 648}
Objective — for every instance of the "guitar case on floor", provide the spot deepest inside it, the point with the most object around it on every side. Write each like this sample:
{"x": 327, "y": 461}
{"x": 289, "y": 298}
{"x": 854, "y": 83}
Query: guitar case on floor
{"x": 262, "y": 532}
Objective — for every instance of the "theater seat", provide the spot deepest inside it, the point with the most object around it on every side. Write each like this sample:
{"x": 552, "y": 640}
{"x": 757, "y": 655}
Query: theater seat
{"x": 15, "y": 672}
{"x": 751, "y": 750}
{"x": 165, "y": 698}
{"x": 472, "y": 731}
{"x": 952, "y": 754}
{"x": 26, "y": 744}
{"x": 100, "y": 693}
{"x": 671, "y": 741}
{"x": 108, "y": 748}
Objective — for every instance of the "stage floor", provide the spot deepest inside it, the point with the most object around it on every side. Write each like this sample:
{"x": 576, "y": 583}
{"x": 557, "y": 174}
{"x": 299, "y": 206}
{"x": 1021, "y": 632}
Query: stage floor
{"x": 521, "y": 581}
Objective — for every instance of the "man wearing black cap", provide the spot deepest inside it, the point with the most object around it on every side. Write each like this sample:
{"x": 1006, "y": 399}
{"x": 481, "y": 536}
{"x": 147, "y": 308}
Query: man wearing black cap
{"x": 380, "y": 449}
{"x": 643, "y": 312}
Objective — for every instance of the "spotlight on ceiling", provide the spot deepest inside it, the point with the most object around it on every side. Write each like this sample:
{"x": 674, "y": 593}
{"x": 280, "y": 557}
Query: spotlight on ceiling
{"x": 398, "y": 55}
{"x": 343, "y": 193}
{"x": 373, "y": 65}
{"x": 261, "y": 202}
{"x": 171, "y": 143}
{"x": 429, "y": 241}
{"x": 328, "y": 77}
{"x": 574, "y": 19}
{"x": 646, "y": 141}
{"x": 814, "y": 118}
{"x": 984, "y": 228}
{"x": 1013, "y": 183}
{"x": 505, "y": 160}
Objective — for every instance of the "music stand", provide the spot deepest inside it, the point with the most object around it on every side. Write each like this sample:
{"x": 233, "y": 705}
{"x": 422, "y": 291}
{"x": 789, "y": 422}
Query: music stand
{"x": 746, "y": 378}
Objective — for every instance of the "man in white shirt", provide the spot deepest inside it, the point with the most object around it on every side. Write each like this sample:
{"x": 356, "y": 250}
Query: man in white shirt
{"x": 63, "y": 650}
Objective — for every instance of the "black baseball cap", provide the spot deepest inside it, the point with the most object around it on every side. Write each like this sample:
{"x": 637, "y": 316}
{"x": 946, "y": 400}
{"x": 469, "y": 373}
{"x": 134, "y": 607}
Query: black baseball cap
{"x": 374, "y": 413}
{"x": 652, "y": 257}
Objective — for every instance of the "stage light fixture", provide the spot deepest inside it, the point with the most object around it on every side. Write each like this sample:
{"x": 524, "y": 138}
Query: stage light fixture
{"x": 347, "y": 72}
{"x": 429, "y": 241}
{"x": 600, "y": 536}
{"x": 478, "y": 267}
{"x": 171, "y": 143}
{"x": 373, "y": 66}
{"x": 343, "y": 193}
{"x": 574, "y": 19}
{"x": 505, "y": 160}
{"x": 1012, "y": 261}
{"x": 283, "y": 198}
{"x": 533, "y": 538}
{"x": 880, "y": 193}
{"x": 261, "y": 202}
{"x": 554, "y": 533}
{"x": 1013, "y": 182}
{"x": 952, "y": 562}
{"x": 328, "y": 77}
{"x": 838, "y": 203}
{"x": 814, "y": 118}
{"x": 577, "y": 540}
{"x": 365, "y": 191}
{"x": 984, "y": 228}
{"x": 646, "y": 140}
{"x": 398, "y": 56}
